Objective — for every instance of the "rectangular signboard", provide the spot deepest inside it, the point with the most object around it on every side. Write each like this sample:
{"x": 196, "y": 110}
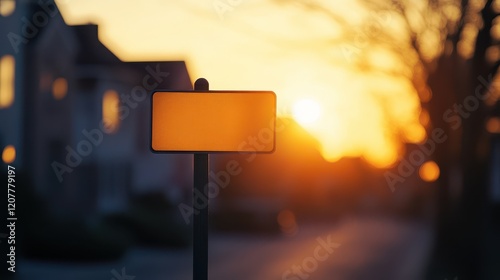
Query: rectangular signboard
{"x": 213, "y": 121}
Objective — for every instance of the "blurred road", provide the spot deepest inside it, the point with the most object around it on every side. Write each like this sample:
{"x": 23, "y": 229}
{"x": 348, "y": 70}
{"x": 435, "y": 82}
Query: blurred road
{"x": 360, "y": 248}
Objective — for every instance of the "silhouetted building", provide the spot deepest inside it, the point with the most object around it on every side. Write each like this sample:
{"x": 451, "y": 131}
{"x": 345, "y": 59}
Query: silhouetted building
{"x": 78, "y": 117}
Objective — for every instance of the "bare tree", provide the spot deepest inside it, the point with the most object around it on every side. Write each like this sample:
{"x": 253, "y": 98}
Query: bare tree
{"x": 460, "y": 76}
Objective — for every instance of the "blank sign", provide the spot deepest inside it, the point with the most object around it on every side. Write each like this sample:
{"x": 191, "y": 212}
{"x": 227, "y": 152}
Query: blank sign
{"x": 213, "y": 121}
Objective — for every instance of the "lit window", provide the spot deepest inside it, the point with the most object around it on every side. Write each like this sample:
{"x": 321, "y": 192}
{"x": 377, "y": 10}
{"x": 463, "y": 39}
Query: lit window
{"x": 429, "y": 171}
{"x": 59, "y": 88}
{"x": 9, "y": 154}
{"x": 7, "y": 67}
{"x": 7, "y": 7}
{"x": 110, "y": 116}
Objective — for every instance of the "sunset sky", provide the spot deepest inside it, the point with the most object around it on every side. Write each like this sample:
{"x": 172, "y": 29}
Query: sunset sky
{"x": 310, "y": 57}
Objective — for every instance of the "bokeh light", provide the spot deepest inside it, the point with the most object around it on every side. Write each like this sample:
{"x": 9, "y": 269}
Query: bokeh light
{"x": 429, "y": 171}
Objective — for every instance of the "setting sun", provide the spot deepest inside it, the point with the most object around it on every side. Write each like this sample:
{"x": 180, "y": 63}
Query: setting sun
{"x": 306, "y": 111}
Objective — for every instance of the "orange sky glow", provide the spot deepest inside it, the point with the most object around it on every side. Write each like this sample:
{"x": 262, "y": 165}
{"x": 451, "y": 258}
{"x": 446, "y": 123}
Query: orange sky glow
{"x": 299, "y": 53}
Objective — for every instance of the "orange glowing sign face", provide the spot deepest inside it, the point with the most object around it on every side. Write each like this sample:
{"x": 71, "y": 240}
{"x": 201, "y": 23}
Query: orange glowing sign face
{"x": 213, "y": 121}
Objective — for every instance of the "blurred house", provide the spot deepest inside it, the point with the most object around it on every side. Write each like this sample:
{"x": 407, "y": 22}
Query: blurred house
{"x": 75, "y": 119}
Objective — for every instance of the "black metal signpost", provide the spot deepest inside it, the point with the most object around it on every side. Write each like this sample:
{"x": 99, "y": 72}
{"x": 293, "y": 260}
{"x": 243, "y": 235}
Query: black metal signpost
{"x": 179, "y": 123}
{"x": 200, "y": 221}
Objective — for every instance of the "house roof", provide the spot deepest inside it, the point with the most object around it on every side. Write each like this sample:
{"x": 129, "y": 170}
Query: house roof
{"x": 91, "y": 50}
